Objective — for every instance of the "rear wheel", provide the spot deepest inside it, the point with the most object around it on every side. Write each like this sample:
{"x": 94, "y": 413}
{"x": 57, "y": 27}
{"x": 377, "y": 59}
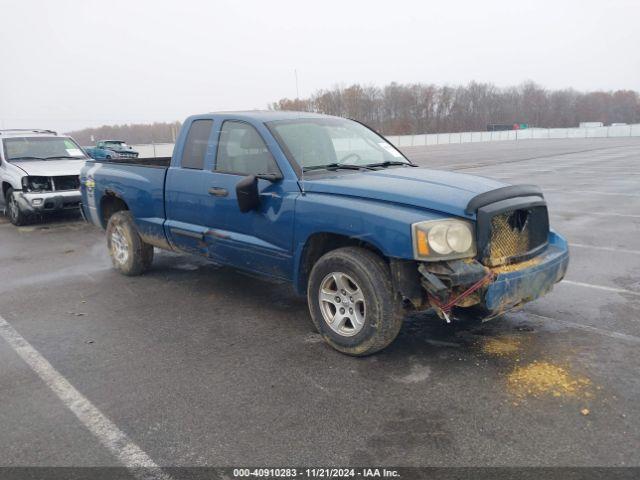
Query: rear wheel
{"x": 129, "y": 254}
{"x": 15, "y": 215}
{"x": 352, "y": 301}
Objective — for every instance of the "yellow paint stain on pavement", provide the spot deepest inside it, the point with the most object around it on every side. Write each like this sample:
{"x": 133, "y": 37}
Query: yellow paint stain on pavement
{"x": 501, "y": 346}
{"x": 546, "y": 379}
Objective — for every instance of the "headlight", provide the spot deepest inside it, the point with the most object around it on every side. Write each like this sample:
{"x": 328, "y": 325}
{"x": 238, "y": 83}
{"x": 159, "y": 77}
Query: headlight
{"x": 36, "y": 184}
{"x": 435, "y": 240}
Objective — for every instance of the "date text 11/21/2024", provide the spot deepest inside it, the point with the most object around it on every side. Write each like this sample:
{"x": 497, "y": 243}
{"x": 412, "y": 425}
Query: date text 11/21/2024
{"x": 316, "y": 472}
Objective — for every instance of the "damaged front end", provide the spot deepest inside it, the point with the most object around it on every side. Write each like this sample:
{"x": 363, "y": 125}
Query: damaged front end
{"x": 453, "y": 283}
{"x": 516, "y": 257}
{"x": 456, "y": 288}
{"x": 48, "y": 194}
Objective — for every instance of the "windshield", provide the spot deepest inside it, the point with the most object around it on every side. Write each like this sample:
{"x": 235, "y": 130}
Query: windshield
{"x": 41, "y": 148}
{"x": 315, "y": 143}
{"x": 116, "y": 145}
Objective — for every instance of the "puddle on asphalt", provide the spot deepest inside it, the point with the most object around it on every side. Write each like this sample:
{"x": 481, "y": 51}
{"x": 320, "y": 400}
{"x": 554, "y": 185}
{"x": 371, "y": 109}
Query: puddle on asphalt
{"x": 312, "y": 338}
{"x": 418, "y": 373}
{"x": 188, "y": 267}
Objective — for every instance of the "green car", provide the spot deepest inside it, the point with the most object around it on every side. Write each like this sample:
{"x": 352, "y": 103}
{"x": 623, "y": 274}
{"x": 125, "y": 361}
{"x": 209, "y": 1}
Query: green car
{"x": 119, "y": 146}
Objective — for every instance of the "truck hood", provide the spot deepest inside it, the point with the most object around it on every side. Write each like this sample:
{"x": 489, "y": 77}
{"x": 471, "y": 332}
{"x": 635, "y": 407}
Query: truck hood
{"x": 50, "y": 168}
{"x": 436, "y": 190}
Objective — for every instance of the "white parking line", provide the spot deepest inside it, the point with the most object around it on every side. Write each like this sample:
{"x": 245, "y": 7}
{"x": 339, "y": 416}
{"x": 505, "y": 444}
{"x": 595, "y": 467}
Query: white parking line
{"x": 126, "y": 451}
{"x": 600, "y": 287}
{"x": 589, "y": 328}
{"x": 602, "y": 214}
{"x": 592, "y": 192}
{"x": 606, "y": 249}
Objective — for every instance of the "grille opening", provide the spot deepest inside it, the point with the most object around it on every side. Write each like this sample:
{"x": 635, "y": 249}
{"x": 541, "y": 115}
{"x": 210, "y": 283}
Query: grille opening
{"x": 67, "y": 182}
{"x": 517, "y": 234}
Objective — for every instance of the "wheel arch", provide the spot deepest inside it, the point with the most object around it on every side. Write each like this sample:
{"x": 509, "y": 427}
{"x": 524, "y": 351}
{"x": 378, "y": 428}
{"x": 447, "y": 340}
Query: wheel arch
{"x": 319, "y": 243}
{"x": 110, "y": 203}
{"x": 5, "y": 188}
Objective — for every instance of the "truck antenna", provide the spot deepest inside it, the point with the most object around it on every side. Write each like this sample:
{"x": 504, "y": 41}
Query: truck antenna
{"x": 295, "y": 74}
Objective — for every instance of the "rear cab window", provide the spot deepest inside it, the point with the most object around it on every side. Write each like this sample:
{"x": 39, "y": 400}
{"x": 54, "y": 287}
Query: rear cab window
{"x": 195, "y": 146}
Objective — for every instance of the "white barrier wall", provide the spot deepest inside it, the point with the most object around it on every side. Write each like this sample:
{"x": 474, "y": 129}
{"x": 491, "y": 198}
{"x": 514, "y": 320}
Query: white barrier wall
{"x": 531, "y": 133}
{"x": 151, "y": 150}
{"x": 166, "y": 149}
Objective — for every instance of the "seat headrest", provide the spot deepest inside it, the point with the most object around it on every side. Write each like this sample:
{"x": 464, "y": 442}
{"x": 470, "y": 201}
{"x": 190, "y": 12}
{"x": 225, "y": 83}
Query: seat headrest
{"x": 251, "y": 140}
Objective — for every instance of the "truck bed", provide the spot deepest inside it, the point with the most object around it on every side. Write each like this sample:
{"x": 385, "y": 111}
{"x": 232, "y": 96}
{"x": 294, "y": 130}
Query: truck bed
{"x": 163, "y": 162}
{"x": 138, "y": 182}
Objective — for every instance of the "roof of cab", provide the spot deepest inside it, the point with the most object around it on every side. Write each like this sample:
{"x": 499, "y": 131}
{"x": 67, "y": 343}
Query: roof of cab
{"x": 262, "y": 115}
{"x": 26, "y": 132}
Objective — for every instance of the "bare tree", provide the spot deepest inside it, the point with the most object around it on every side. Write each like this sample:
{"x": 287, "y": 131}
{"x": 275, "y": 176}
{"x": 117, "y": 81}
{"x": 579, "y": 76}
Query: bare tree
{"x": 423, "y": 108}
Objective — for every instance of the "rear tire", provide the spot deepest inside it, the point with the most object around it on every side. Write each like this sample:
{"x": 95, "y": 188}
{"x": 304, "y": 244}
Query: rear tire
{"x": 129, "y": 254}
{"x": 15, "y": 215}
{"x": 352, "y": 301}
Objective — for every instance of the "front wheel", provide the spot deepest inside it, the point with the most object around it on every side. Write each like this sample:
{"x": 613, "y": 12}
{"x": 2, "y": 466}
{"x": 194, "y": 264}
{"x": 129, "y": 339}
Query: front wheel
{"x": 129, "y": 254}
{"x": 352, "y": 301}
{"x": 16, "y": 216}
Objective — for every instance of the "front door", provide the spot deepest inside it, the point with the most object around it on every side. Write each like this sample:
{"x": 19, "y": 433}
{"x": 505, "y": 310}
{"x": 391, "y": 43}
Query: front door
{"x": 260, "y": 240}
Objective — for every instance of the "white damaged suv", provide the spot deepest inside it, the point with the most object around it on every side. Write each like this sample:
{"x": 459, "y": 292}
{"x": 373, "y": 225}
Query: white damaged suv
{"x": 39, "y": 173}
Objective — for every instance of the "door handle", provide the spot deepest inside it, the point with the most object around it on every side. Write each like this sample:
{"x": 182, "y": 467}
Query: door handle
{"x": 218, "y": 192}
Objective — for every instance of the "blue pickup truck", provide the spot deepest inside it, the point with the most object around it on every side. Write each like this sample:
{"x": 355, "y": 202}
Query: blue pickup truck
{"x": 330, "y": 206}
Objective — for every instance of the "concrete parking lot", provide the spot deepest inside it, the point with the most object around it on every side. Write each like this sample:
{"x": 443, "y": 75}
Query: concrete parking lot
{"x": 201, "y": 365}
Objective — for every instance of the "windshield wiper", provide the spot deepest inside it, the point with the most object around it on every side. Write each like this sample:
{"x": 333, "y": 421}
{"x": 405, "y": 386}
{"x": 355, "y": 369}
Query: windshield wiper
{"x": 335, "y": 166}
{"x": 62, "y": 156}
{"x": 25, "y": 158}
{"x": 389, "y": 163}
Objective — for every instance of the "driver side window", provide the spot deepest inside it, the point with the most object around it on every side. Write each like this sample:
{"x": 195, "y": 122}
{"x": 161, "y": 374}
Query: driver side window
{"x": 242, "y": 151}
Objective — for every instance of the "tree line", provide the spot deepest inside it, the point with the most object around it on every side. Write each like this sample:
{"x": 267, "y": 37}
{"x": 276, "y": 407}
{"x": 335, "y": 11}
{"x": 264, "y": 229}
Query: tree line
{"x": 159, "y": 132}
{"x": 401, "y": 109}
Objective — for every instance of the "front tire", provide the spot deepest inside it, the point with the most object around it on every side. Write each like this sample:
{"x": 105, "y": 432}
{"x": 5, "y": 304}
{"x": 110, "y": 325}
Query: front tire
{"x": 15, "y": 215}
{"x": 352, "y": 301}
{"x": 129, "y": 254}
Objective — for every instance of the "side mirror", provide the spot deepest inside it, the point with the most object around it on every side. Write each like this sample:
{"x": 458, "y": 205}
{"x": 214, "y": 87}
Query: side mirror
{"x": 270, "y": 177}
{"x": 247, "y": 194}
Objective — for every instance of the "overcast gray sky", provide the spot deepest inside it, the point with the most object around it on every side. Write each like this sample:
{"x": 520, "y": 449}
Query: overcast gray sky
{"x": 71, "y": 64}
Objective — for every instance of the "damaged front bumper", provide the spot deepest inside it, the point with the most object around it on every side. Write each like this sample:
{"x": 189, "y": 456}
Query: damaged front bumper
{"x": 42, "y": 202}
{"x": 523, "y": 282}
{"x": 497, "y": 290}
